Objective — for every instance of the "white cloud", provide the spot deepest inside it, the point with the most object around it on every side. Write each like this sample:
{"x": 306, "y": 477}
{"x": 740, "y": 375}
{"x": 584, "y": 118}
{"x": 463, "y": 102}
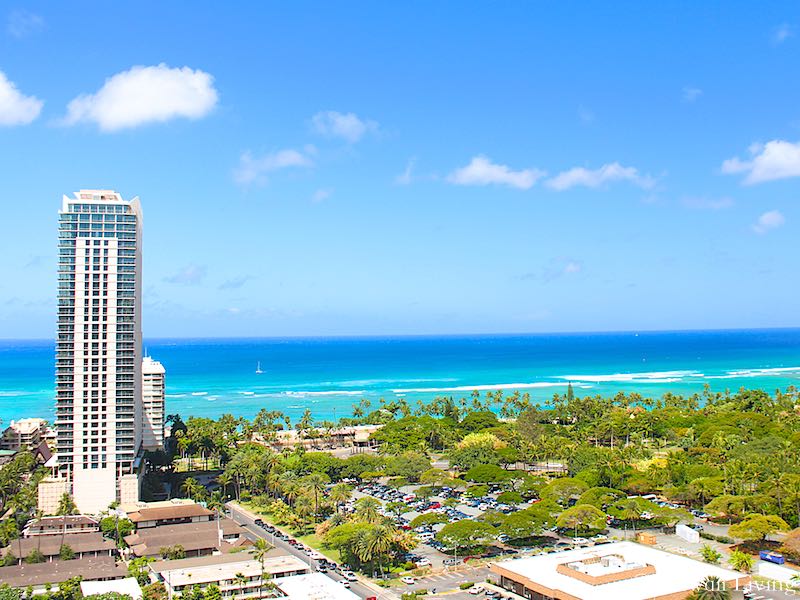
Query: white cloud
{"x": 321, "y": 195}
{"x": 768, "y": 221}
{"x": 585, "y": 115}
{"x": 234, "y": 283}
{"x": 22, "y": 23}
{"x": 253, "y": 169}
{"x": 690, "y": 94}
{"x": 572, "y": 267}
{"x": 188, "y": 275}
{"x": 143, "y": 95}
{"x": 777, "y": 159}
{"x": 482, "y": 171}
{"x": 15, "y": 107}
{"x": 781, "y": 34}
{"x": 407, "y": 175}
{"x": 347, "y": 126}
{"x": 598, "y": 177}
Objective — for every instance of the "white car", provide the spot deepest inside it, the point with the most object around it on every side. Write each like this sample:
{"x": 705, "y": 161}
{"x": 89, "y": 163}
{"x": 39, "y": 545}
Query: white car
{"x": 424, "y": 562}
{"x": 475, "y": 590}
{"x": 579, "y": 540}
{"x": 349, "y": 576}
{"x": 408, "y": 580}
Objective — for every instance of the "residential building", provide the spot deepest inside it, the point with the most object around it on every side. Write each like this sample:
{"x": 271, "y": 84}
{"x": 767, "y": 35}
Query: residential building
{"x": 195, "y": 539}
{"x": 61, "y": 525}
{"x": 152, "y": 404}
{"x": 236, "y": 575}
{"x": 25, "y": 434}
{"x": 170, "y": 512}
{"x": 40, "y": 576}
{"x": 84, "y": 545}
{"x": 617, "y": 571}
{"x": 98, "y": 348}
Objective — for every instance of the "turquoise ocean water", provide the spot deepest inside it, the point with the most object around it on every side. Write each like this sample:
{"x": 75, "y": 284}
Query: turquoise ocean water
{"x": 209, "y": 377}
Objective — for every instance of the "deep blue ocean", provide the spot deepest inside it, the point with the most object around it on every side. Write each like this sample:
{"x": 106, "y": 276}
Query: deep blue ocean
{"x": 209, "y": 377}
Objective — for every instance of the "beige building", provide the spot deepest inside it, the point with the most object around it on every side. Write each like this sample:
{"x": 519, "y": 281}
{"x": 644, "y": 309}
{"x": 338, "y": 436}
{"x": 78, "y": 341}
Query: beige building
{"x": 49, "y": 493}
{"x": 618, "y": 571}
{"x": 98, "y": 348}
{"x": 25, "y": 434}
{"x": 153, "y": 381}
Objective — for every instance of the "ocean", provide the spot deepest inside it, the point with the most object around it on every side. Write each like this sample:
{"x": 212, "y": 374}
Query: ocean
{"x": 210, "y": 377}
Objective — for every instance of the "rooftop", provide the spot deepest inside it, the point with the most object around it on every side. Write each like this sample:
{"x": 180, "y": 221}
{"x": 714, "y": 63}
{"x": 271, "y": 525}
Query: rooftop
{"x": 618, "y": 571}
{"x": 175, "y": 511}
{"x": 192, "y": 536}
{"x": 314, "y": 586}
{"x": 128, "y": 586}
{"x": 24, "y": 426}
{"x": 226, "y": 570}
{"x": 50, "y": 545}
{"x": 99, "y": 567}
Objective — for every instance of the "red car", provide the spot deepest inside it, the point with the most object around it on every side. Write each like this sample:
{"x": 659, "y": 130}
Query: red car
{"x": 435, "y": 505}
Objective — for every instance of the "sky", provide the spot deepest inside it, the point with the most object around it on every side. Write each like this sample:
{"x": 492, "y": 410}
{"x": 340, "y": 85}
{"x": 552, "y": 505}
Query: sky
{"x": 374, "y": 168}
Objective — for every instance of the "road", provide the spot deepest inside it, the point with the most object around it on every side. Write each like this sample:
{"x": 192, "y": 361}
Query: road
{"x": 254, "y": 531}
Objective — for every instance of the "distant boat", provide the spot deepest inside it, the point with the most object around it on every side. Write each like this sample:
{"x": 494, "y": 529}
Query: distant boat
{"x": 258, "y": 368}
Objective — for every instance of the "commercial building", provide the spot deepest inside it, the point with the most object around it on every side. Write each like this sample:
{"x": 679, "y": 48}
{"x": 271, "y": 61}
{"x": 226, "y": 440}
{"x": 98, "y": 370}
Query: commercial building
{"x": 194, "y": 539}
{"x": 128, "y": 587}
{"x": 313, "y": 586}
{"x": 84, "y": 545}
{"x": 618, "y": 571}
{"x": 25, "y": 434}
{"x": 61, "y": 525}
{"x": 152, "y": 404}
{"x": 98, "y": 348}
{"x": 168, "y": 512}
{"x": 234, "y": 574}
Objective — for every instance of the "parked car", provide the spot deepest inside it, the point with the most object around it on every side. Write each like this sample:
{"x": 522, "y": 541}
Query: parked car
{"x": 475, "y": 590}
{"x": 408, "y": 580}
{"x": 349, "y": 576}
{"x": 423, "y": 562}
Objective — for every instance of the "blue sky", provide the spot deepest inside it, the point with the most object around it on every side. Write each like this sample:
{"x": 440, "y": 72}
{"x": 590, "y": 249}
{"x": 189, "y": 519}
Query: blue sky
{"x": 376, "y": 168}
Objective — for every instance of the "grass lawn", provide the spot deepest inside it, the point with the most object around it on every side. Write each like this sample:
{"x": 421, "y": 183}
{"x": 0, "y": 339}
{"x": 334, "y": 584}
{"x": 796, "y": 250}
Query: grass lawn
{"x": 312, "y": 540}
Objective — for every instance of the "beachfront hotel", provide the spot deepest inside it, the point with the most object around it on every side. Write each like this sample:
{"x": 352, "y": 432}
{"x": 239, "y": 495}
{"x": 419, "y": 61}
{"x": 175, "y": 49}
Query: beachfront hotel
{"x": 152, "y": 404}
{"x": 98, "y": 352}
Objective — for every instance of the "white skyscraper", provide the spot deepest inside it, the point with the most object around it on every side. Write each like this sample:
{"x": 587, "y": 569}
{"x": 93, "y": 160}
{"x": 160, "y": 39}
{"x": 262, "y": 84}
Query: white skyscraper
{"x": 98, "y": 348}
{"x": 153, "y": 404}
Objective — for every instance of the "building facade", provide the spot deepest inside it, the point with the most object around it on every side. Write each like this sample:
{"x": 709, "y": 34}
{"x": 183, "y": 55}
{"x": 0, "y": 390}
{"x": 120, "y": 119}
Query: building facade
{"x": 25, "y": 434}
{"x": 98, "y": 348}
{"x": 153, "y": 381}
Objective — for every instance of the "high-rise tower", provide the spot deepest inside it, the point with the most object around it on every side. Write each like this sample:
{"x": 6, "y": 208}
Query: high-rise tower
{"x": 98, "y": 348}
{"x": 152, "y": 404}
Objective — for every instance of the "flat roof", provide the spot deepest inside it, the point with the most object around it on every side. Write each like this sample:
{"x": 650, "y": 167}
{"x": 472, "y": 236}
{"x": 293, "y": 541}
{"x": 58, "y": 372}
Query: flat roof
{"x": 673, "y": 574}
{"x": 313, "y": 586}
{"x": 223, "y": 570}
{"x": 128, "y": 586}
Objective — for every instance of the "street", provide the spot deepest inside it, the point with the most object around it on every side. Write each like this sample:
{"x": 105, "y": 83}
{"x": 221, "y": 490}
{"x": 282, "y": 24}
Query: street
{"x": 254, "y": 531}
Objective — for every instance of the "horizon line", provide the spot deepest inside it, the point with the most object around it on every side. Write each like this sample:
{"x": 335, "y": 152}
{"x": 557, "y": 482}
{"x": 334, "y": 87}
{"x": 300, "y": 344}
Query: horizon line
{"x": 440, "y": 335}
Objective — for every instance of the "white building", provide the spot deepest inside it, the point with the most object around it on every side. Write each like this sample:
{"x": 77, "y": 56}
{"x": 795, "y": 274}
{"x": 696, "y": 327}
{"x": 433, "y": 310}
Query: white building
{"x": 236, "y": 575}
{"x": 152, "y": 404}
{"x": 23, "y": 434}
{"x": 98, "y": 348}
{"x": 618, "y": 571}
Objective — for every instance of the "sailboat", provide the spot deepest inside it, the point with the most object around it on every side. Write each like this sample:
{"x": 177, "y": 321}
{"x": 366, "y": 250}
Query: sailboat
{"x": 258, "y": 368}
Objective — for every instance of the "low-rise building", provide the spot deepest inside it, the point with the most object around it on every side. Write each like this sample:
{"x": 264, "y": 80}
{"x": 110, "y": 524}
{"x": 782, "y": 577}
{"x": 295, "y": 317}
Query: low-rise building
{"x": 25, "y": 434}
{"x": 41, "y": 575}
{"x": 313, "y": 586}
{"x": 235, "y": 574}
{"x": 618, "y": 571}
{"x": 195, "y": 539}
{"x": 61, "y": 525}
{"x": 172, "y": 512}
{"x": 83, "y": 545}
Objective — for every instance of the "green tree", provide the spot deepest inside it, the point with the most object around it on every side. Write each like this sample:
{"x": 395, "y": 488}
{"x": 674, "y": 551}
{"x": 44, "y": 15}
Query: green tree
{"x": 66, "y": 505}
{"x": 487, "y": 474}
{"x": 35, "y": 556}
{"x": 757, "y": 527}
{"x": 582, "y": 518}
{"x": 711, "y": 588}
{"x": 137, "y": 568}
{"x": 562, "y": 490}
{"x": 65, "y": 552}
{"x": 466, "y": 534}
{"x": 9, "y": 593}
{"x": 154, "y": 591}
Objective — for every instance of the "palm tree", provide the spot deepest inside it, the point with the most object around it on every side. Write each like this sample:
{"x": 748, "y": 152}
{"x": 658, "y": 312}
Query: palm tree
{"x": 368, "y": 510}
{"x": 316, "y": 484}
{"x": 192, "y": 488}
{"x": 629, "y": 511}
{"x": 374, "y": 544}
{"x": 711, "y": 588}
{"x": 340, "y": 493}
{"x": 241, "y": 580}
{"x": 224, "y": 480}
{"x": 261, "y": 548}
